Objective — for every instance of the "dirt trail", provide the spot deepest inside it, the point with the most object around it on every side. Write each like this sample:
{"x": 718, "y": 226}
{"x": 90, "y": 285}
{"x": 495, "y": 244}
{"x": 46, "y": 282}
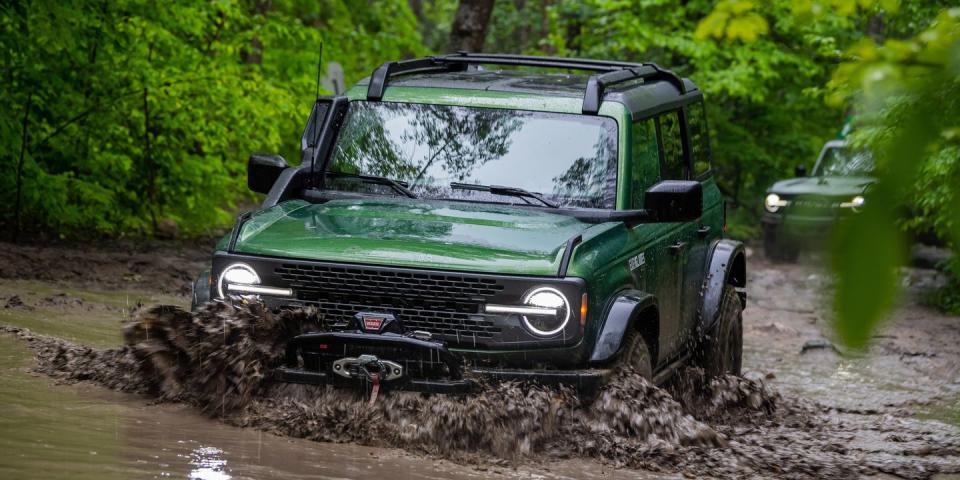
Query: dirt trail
{"x": 800, "y": 413}
{"x": 157, "y": 267}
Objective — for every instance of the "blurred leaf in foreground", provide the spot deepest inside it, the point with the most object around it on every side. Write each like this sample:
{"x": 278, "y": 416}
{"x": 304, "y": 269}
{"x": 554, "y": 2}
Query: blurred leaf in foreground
{"x": 908, "y": 92}
{"x": 866, "y": 251}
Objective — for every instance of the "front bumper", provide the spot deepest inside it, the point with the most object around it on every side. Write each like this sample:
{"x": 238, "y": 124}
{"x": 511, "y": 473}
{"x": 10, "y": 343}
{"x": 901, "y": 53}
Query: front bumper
{"x": 588, "y": 380}
{"x": 417, "y": 364}
{"x": 798, "y": 226}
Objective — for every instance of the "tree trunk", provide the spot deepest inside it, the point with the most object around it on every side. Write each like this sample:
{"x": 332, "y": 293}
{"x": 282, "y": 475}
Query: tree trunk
{"x": 523, "y": 33}
{"x": 545, "y": 25}
{"x": 470, "y": 24}
{"x": 23, "y": 151}
{"x": 148, "y": 159}
{"x": 876, "y": 28}
{"x": 416, "y": 6}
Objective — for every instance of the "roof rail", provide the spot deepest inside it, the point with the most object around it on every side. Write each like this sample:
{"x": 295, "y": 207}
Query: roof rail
{"x": 608, "y": 72}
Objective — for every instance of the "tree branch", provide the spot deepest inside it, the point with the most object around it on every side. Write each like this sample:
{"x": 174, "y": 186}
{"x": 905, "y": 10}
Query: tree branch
{"x": 23, "y": 152}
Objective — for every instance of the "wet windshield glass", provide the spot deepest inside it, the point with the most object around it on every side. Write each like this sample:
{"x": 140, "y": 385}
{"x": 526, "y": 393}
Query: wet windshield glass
{"x": 571, "y": 160}
{"x": 843, "y": 162}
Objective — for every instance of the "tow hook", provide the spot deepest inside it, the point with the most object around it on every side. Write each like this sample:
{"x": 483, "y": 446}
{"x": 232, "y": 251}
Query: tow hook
{"x": 369, "y": 369}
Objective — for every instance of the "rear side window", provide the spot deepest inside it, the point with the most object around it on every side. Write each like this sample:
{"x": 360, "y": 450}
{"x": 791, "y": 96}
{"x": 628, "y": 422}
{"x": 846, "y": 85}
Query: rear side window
{"x": 672, "y": 164}
{"x": 699, "y": 138}
{"x": 646, "y": 151}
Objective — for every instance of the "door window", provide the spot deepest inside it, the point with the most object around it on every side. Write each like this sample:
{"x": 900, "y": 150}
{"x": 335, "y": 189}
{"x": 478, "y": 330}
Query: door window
{"x": 646, "y": 154}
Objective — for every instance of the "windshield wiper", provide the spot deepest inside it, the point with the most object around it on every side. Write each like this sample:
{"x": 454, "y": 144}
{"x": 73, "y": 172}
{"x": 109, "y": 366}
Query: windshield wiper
{"x": 399, "y": 187}
{"x": 501, "y": 190}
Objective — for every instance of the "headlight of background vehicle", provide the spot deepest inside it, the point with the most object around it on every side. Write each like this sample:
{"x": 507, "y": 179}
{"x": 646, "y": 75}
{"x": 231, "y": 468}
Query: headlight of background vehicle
{"x": 773, "y": 202}
{"x": 854, "y": 203}
{"x": 240, "y": 279}
{"x": 545, "y": 312}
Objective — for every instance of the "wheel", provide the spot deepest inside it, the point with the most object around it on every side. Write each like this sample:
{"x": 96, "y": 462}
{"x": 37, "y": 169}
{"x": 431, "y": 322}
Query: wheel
{"x": 721, "y": 350}
{"x": 635, "y": 353}
{"x": 777, "y": 249}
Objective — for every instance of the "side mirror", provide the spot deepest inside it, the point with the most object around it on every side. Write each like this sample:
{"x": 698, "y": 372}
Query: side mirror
{"x": 674, "y": 201}
{"x": 800, "y": 171}
{"x": 263, "y": 171}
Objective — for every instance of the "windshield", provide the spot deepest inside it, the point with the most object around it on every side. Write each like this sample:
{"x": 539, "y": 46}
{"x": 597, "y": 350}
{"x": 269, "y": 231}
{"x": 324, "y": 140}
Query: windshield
{"x": 569, "y": 160}
{"x": 844, "y": 162}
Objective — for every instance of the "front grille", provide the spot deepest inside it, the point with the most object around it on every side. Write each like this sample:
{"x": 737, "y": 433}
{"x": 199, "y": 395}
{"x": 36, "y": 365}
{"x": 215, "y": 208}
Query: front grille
{"x": 461, "y": 326}
{"x": 444, "y": 304}
{"x": 813, "y": 204}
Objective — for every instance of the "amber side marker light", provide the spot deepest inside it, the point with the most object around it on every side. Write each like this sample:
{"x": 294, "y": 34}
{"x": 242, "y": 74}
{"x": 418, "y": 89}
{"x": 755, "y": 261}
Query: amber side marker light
{"x": 583, "y": 310}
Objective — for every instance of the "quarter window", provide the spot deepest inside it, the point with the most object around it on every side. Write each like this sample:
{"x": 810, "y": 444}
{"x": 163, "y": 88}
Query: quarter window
{"x": 699, "y": 138}
{"x": 672, "y": 165}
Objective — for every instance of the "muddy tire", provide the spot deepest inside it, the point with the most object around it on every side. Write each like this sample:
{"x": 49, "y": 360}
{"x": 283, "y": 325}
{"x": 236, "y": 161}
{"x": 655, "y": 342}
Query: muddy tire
{"x": 721, "y": 350}
{"x": 635, "y": 353}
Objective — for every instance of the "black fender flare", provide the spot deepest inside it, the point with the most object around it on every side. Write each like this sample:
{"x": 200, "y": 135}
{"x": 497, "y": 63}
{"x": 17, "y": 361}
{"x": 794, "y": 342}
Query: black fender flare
{"x": 201, "y": 291}
{"x": 727, "y": 265}
{"x": 620, "y": 316}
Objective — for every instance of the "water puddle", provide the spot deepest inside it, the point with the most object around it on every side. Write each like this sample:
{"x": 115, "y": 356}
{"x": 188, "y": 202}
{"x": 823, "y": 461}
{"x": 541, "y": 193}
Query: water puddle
{"x": 82, "y": 431}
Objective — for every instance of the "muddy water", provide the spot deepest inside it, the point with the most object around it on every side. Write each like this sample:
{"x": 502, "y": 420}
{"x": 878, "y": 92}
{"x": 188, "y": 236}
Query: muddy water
{"x": 913, "y": 362}
{"x": 81, "y": 431}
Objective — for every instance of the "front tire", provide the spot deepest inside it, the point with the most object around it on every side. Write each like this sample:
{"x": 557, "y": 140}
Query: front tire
{"x": 721, "y": 351}
{"x": 635, "y": 354}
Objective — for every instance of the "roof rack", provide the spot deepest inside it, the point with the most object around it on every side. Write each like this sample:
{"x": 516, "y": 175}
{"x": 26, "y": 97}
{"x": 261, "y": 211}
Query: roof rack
{"x": 608, "y": 72}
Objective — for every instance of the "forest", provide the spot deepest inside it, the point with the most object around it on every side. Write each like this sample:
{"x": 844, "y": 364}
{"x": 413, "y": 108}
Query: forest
{"x": 130, "y": 118}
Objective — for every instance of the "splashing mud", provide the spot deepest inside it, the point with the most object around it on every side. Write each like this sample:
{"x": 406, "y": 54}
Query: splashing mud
{"x": 219, "y": 359}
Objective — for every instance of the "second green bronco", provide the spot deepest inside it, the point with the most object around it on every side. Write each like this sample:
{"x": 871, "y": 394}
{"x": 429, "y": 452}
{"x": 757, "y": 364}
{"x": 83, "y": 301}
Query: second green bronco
{"x": 472, "y": 215}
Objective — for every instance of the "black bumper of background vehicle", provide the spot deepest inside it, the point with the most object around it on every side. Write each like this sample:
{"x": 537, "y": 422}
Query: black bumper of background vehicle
{"x": 797, "y": 226}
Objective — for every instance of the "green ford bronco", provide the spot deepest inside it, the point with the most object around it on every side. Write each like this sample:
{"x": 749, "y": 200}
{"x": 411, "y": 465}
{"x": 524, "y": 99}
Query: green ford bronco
{"x": 801, "y": 211}
{"x": 496, "y": 216}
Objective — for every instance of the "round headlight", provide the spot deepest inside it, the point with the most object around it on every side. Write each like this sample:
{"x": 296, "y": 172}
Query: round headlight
{"x": 773, "y": 203}
{"x": 238, "y": 274}
{"x": 854, "y": 203}
{"x": 549, "y": 323}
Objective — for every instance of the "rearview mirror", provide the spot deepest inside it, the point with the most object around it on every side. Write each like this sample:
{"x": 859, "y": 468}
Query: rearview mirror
{"x": 800, "y": 171}
{"x": 263, "y": 171}
{"x": 674, "y": 201}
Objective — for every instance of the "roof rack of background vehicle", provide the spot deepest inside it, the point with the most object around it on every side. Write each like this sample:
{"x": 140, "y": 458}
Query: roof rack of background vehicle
{"x": 608, "y": 73}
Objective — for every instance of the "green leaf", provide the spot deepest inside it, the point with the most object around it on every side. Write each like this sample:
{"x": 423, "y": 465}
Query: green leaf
{"x": 867, "y": 251}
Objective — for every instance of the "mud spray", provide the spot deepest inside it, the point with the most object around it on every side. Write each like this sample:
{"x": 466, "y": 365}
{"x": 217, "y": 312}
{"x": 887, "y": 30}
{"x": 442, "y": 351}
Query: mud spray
{"x": 219, "y": 358}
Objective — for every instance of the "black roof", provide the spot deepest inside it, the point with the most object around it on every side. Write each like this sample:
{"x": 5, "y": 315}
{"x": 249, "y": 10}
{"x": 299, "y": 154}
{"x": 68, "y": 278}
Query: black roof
{"x": 644, "y": 89}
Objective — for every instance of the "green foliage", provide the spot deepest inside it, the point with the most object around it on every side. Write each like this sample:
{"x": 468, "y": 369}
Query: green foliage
{"x": 742, "y": 225}
{"x": 947, "y": 297}
{"x": 735, "y": 20}
{"x": 145, "y": 112}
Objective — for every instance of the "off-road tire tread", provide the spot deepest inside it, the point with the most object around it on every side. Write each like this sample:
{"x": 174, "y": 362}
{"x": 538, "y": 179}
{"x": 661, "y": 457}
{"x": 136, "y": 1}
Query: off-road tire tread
{"x": 728, "y": 328}
{"x": 635, "y": 353}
